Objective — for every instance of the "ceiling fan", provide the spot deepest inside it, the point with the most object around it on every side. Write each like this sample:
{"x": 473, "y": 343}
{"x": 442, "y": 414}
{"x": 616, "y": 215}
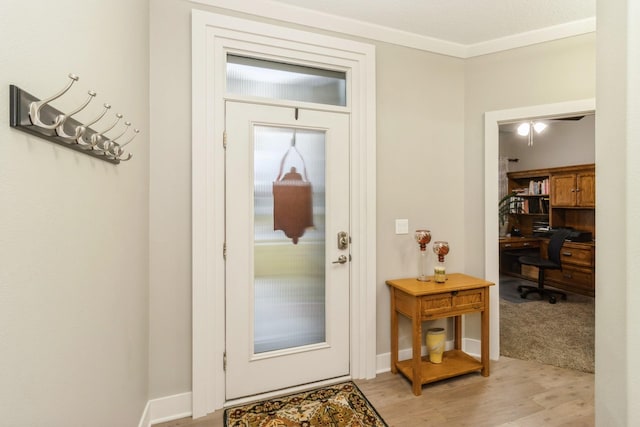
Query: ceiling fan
{"x": 525, "y": 129}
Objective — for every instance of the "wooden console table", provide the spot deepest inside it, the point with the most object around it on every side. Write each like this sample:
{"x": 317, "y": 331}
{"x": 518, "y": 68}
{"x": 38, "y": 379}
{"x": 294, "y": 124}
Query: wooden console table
{"x": 421, "y": 301}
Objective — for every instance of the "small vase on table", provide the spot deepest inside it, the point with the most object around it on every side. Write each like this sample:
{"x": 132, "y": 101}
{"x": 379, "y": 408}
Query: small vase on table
{"x": 440, "y": 248}
{"x": 423, "y": 237}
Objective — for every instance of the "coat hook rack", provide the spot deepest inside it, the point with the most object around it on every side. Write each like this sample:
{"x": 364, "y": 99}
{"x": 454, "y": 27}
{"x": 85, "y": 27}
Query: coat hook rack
{"x": 37, "y": 117}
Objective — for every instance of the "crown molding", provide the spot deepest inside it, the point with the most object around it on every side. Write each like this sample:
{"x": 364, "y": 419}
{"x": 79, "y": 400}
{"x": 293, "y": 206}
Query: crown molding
{"x": 324, "y": 21}
{"x": 528, "y": 38}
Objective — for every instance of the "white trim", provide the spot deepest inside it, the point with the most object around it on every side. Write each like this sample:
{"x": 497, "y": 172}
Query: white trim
{"x": 165, "y": 409}
{"x": 491, "y": 142}
{"x": 211, "y": 35}
{"x": 353, "y": 27}
{"x": 472, "y": 347}
{"x": 145, "y": 419}
{"x": 170, "y": 408}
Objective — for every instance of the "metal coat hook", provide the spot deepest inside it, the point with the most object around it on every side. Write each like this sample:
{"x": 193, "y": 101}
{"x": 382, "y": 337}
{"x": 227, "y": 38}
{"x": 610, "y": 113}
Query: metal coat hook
{"x": 135, "y": 133}
{"x": 39, "y": 118}
{"x": 36, "y": 107}
{"x": 62, "y": 118}
{"x": 83, "y": 128}
{"x": 107, "y": 144}
{"x": 97, "y": 137}
{"x": 116, "y": 151}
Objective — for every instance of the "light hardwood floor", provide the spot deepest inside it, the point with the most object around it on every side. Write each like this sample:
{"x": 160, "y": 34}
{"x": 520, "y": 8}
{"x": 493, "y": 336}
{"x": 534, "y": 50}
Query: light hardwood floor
{"x": 517, "y": 394}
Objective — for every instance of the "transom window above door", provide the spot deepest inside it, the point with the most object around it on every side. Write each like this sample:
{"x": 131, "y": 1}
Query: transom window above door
{"x": 262, "y": 78}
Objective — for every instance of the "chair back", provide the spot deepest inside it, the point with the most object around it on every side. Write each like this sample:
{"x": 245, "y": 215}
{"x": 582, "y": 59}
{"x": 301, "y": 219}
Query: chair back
{"x": 555, "y": 245}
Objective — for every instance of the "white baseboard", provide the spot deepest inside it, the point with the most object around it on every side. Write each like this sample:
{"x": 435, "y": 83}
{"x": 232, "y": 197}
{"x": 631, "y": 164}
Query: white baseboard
{"x": 145, "y": 420}
{"x": 471, "y": 347}
{"x": 166, "y": 409}
{"x": 383, "y": 361}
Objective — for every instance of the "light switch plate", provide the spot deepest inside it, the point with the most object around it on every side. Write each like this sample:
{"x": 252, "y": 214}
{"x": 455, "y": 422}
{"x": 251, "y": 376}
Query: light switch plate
{"x": 402, "y": 226}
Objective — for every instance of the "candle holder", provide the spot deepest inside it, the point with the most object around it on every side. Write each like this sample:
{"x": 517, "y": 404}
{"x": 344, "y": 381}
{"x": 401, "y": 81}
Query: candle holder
{"x": 423, "y": 237}
{"x": 440, "y": 248}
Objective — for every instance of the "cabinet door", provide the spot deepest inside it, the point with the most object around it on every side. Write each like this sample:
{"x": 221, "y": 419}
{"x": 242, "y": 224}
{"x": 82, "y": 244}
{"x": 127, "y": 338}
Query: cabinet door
{"x": 586, "y": 189}
{"x": 563, "y": 190}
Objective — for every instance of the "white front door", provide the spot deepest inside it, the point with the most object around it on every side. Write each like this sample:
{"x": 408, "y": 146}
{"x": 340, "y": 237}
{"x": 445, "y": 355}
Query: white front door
{"x": 287, "y": 268}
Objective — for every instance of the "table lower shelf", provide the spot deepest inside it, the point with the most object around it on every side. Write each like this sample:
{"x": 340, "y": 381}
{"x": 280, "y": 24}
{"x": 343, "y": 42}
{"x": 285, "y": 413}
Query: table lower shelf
{"x": 454, "y": 362}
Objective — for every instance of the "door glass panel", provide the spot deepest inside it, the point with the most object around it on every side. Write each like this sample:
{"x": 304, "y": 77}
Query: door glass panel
{"x": 289, "y": 243}
{"x": 277, "y": 80}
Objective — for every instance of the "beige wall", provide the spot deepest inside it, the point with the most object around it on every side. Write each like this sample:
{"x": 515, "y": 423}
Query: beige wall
{"x": 557, "y": 71}
{"x": 618, "y": 215}
{"x": 73, "y": 229}
{"x": 420, "y": 175}
{"x": 170, "y": 199}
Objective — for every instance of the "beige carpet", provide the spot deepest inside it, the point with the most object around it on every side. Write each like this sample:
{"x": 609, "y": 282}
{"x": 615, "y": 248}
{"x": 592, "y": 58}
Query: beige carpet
{"x": 561, "y": 334}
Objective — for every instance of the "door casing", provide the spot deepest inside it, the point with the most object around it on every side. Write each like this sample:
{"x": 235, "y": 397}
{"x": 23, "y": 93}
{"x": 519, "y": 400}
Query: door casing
{"x": 214, "y": 35}
{"x": 492, "y": 120}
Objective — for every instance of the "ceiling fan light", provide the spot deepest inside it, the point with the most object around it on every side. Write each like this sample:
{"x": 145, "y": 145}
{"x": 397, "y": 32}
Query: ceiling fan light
{"x": 539, "y": 127}
{"x": 523, "y": 129}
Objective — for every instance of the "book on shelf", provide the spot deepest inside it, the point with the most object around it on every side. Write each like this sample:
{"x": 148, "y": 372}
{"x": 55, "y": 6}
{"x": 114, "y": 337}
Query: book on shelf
{"x": 528, "y": 205}
{"x": 535, "y": 188}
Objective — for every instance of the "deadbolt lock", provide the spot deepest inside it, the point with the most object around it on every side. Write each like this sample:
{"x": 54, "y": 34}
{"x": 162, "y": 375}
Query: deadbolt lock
{"x": 343, "y": 240}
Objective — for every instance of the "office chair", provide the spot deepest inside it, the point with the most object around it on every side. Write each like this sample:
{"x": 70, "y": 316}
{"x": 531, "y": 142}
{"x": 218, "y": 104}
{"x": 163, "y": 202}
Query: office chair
{"x": 552, "y": 263}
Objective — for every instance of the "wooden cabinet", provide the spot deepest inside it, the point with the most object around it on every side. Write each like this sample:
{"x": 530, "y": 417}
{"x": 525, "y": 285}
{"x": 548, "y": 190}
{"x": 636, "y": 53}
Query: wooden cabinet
{"x": 578, "y": 268}
{"x": 421, "y": 301}
{"x": 554, "y": 197}
{"x": 574, "y": 189}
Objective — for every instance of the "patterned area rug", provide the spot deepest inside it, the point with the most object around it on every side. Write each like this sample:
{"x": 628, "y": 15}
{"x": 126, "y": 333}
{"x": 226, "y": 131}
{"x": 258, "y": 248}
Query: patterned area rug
{"x": 340, "y": 405}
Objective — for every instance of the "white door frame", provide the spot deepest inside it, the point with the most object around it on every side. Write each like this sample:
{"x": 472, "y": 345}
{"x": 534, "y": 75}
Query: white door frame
{"x": 492, "y": 120}
{"x": 212, "y": 35}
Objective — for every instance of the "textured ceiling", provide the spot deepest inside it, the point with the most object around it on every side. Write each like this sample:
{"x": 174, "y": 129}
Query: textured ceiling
{"x": 464, "y": 22}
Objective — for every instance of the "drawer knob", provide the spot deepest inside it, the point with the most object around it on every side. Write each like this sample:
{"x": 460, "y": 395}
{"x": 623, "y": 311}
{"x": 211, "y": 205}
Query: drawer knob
{"x": 567, "y": 253}
{"x": 567, "y": 275}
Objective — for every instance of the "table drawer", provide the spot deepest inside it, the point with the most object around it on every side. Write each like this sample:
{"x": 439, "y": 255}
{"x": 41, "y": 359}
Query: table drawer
{"x": 432, "y": 305}
{"x": 458, "y": 301}
{"x": 472, "y": 300}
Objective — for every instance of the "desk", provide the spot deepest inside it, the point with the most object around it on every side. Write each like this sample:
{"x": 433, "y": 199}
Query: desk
{"x": 421, "y": 301}
{"x": 511, "y": 248}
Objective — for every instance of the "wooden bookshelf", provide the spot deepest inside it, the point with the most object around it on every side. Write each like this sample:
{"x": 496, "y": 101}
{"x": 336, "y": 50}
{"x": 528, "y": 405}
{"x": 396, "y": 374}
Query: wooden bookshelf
{"x": 568, "y": 194}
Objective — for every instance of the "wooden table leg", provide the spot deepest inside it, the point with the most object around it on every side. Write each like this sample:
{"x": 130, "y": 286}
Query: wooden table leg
{"x": 457, "y": 327}
{"x": 417, "y": 351}
{"x": 394, "y": 333}
{"x": 484, "y": 344}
